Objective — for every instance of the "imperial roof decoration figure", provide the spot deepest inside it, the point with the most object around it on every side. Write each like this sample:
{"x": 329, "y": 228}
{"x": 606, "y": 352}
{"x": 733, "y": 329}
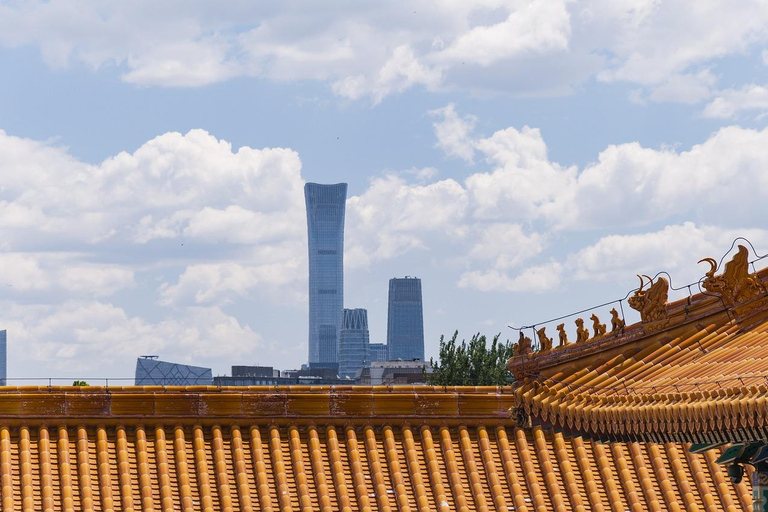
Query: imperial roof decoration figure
{"x": 651, "y": 303}
{"x": 735, "y": 285}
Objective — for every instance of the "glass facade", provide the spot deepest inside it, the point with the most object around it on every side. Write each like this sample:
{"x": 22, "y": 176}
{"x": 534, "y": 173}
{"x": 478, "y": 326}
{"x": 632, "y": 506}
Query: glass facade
{"x": 3, "y": 357}
{"x": 325, "y": 230}
{"x": 405, "y": 320}
{"x": 152, "y": 372}
{"x": 378, "y": 352}
{"x": 353, "y": 342}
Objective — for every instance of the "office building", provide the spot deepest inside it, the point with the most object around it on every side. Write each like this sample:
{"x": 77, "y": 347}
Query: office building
{"x": 377, "y": 352}
{"x": 3, "y": 357}
{"x": 353, "y": 342}
{"x": 390, "y": 373}
{"x": 325, "y": 232}
{"x": 150, "y": 371}
{"x": 405, "y": 320}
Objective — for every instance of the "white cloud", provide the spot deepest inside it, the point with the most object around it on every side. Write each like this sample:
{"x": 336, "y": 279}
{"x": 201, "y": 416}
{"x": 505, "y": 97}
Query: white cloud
{"x": 627, "y": 185}
{"x": 218, "y": 283}
{"x": 537, "y": 26}
{"x": 454, "y": 133}
{"x": 372, "y": 51}
{"x": 524, "y": 183}
{"x": 675, "y": 248}
{"x": 95, "y": 337}
{"x": 658, "y": 40}
{"x": 45, "y": 273}
{"x": 688, "y": 88}
{"x": 539, "y": 278}
{"x": 175, "y": 184}
{"x": 502, "y": 218}
{"x": 731, "y": 102}
{"x": 392, "y": 216}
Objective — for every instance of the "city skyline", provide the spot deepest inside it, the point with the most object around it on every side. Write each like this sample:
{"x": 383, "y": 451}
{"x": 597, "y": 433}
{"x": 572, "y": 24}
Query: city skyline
{"x": 524, "y": 159}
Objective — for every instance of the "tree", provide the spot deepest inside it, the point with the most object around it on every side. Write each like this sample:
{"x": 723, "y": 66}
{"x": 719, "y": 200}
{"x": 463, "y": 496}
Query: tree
{"x": 79, "y": 383}
{"x": 471, "y": 364}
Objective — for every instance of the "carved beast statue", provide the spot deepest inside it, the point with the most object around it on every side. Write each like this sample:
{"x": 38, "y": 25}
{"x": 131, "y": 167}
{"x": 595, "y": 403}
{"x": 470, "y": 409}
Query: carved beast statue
{"x": 616, "y": 322}
{"x": 544, "y": 342}
{"x": 563, "y": 336}
{"x": 582, "y": 334}
{"x": 523, "y": 345}
{"x": 735, "y": 285}
{"x": 651, "y": 303}
{"x": 598, "y": 328}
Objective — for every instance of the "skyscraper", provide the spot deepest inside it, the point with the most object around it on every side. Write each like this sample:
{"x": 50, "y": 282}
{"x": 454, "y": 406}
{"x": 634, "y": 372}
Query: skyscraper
{"x": 405, "y": 319}
{"x": 325, "y": 230}
{"x": 3, "y": 357}
{"x": 377, "y": 352}
{"x": 353, "y": 342}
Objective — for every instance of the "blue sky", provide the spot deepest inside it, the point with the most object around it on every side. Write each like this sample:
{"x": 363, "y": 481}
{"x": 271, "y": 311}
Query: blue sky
{"x": 525, "y": 158}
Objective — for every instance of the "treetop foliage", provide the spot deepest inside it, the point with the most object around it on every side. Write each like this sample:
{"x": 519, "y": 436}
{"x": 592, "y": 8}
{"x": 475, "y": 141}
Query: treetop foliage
{"x": 471, "y": 364}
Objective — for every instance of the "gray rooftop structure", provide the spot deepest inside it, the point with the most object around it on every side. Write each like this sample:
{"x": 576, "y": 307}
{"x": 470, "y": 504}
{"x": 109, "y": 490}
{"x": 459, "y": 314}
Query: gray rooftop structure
{"x": 150, "y": 371}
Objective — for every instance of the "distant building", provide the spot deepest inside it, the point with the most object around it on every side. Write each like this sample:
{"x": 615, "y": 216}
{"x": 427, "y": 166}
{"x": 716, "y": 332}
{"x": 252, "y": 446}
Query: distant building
{"x": 268, "y": 376}
{"x": 150, "y": 371}
{"x": 3, "y": 357}
{"x": 254, "y": 371}
{"x": 325, "y": 230}
{"x": 378, "y": 352}
{"x": 405, "y": 320}
{"x": 353, "y": 342}
{"x": 387, "y": 373}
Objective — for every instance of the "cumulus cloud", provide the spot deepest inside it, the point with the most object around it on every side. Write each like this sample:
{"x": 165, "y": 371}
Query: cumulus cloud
{"x": 45, "y": 273}
{"x": 498, "y": 222}
{"x": 372, "y": 51}
{"x": 219, "y": 283}
{"x": 537, "y": 278}
{"x": 192, "y": 184}
{"x": 96, "y": 337}
{"x": 75, "y": 231}
{"x": 454, "y": 132}
{"x": 675, "y": 248}
{"x": 731, "y": 102}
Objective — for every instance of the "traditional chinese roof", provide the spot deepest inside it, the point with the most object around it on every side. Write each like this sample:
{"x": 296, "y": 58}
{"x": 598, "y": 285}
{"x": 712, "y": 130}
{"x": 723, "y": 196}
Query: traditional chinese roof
{"x": 328, "y": 449}
{"x": 695, "y": 370}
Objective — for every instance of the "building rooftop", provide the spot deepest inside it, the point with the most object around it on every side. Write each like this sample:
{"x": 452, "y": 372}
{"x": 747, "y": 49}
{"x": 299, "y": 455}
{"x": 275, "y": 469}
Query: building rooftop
{"x": 320, "y": 448}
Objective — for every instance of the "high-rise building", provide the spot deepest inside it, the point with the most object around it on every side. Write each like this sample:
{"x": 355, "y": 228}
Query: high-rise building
{"x": 353, "y": 342}
{"x": 325, "y": 230}
{"x": 405, "y": 320}
{"x": 378, "y": 352}
{"x": 150, "y": 371}
{"x": 3, "y": 357}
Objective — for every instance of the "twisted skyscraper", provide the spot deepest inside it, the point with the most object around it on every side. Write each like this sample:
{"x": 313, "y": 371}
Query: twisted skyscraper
{"x": 325, "y": 229}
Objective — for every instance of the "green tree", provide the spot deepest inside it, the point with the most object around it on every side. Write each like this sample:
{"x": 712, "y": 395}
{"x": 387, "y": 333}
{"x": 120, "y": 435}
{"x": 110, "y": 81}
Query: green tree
{"x": 471, "y": 364}
{"x": 79, "y": 383}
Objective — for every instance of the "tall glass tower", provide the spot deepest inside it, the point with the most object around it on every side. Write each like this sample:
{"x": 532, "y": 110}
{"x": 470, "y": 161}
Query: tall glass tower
{"x": 353, "y": 342}
{"x": 405, "y": 320}
{"x": 325, "y": 229}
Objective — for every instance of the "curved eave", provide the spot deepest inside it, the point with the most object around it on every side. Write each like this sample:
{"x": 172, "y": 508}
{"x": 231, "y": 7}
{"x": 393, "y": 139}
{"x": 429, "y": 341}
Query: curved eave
{"x": 703, "y": 377}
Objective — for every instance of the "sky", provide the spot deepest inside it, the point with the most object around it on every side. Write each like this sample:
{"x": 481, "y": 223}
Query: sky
{"x": 524, "y": 158}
